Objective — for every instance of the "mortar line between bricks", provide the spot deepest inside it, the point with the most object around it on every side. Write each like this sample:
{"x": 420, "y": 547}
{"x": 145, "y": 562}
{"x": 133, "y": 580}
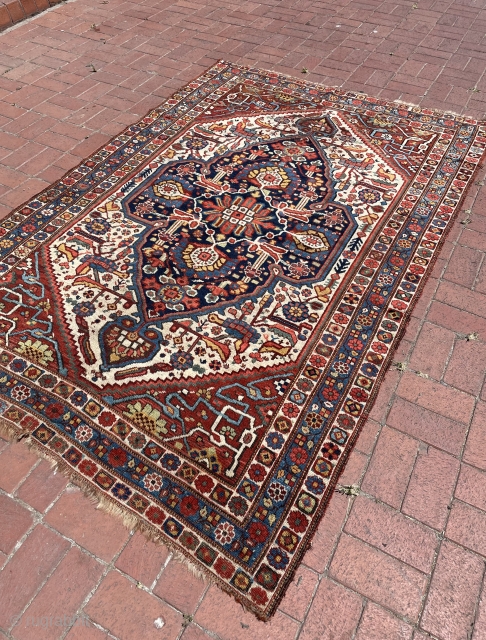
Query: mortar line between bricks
{"x": 477, "y": 603}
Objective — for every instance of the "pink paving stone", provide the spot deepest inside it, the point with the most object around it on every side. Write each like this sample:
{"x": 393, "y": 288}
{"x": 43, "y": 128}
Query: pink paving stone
{"x": 334, "y": 614}
{"x": 437, "y": 397}
{"x": 129, "y": 612}
{"x": 299, "y": 593}
{"x": 392, "y": 532}
{"x": 75, "y": 516}
{"x": 467, "y": 526}
{"x": 378, "y": 624}
{"x": 237, "y": 624}
{"x": 194, "y": 633}
{"x": 84, "y": 630}
{"x": 179, "y": 587}
{"x": 427, "y": 426}
{"x": 456, "y": 319}
{"x": 480, "y": 623}
{"x": 457, "y": 296}
{"x": 390, "y": 467}
{"x": 322, "y": 544}
{"x": 463, "y": 266}
{"x": 15, "y": 520}
{"x": 471, "y": 487}
{"x": 450, "y": 605}
{"x": 377, "y": 576}
{"x": 475, "y": 451}
{"x": 467, "y": 367}
{"x": 60, "y": 597}
{"x": 15, "y": 463}
{"x": 142, "y": 559}
{"x": 433, "y": 469}
{"x": 383, "y": 401}
{"x": 367, "y": 437}
{"x": 42, "y": 486}
{"x": 42, "y": 549}
{"x": 432, "y": 350}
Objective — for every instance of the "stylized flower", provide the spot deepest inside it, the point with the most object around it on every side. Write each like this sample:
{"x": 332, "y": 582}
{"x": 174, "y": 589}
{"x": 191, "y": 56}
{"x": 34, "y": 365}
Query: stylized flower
{"x": 297, "y": 521}
{"x": 54, "y": 410}
{"x": 78, "y": 398}
{"x": 257, "y": 472}
{"x": 379, "y": 347}
{"x": 35, "y": 352}
{"x": 330, "y": 394}
{"x": 290, "y": 410}
{"x": 277, "y": 491}
{"x": 106, "y": 418}
{"x": 88, "y": 468}
{"x": 121, "y": 491}
{"x": 278, "y": 558}
{"x": 298, "y": 455}
{"x": 295, "y": 311}
{"x": 258, "y": 532}
{"x": 274, "y": 440}
{"x": 20, "y": 392}
{"x": 318, "y": 361}
{"x": 155, "y": 515}
{"x": 152, "y": 482}
{"x": 224, "y": 532}
{"x": 359, "y": 395}
{"x": 18, "y": 365}
{"x": 170, "y": 462}
{"x": 258, "y": 596}
{"x": 315, "y": 485}
{"x": 84, "y": 433}
{"x": 189, "y": 505}
{"x": 136, "y": 440}
{"x": 117, "y": 457}
{"x": 204, "y": 484}
{"x": 147, "y": 418}
{"x": 238, "y": 506}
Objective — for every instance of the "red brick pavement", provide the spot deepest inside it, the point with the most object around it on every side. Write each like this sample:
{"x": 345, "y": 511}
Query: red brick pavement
{"x": 403, "y": 560}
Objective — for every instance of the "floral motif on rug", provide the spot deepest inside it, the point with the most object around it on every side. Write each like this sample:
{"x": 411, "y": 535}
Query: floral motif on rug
{"x": 195, "y": 321}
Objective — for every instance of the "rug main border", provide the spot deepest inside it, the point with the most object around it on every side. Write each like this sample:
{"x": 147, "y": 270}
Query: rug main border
{"x": 131, "y": 519}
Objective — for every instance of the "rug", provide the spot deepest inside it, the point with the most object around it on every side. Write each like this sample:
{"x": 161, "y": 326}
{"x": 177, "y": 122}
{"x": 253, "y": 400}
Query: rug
{"x": 196, "y": 320}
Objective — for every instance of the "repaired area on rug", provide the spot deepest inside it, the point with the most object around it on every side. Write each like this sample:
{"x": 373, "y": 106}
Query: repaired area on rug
{"x": 195, "y": 321}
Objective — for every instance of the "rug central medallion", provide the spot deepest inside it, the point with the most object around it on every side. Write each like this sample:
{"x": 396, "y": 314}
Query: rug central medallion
{"x": 195, "y": 321}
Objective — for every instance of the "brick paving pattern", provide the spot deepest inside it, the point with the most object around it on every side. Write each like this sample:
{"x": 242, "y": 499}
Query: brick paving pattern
{"x": 404, "y": 559}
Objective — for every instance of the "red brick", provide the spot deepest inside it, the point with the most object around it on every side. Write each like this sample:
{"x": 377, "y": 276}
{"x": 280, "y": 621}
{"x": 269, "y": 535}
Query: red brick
{"x": 423, "y": 501}
{"x": 15, "y": 9}
{"x": 179, "y": 587}
{"x": 471, "y": 487}
{"x": 142, "y": 559}
{"x": 432, "y": 350}
{"x": 464, "y": 299}
{"x": 367, "y": 437}
{"x": 108, "y": 607}
{"x": 466, "y": 368}
{"x": 449, "y": 609}
{"x": 84, "y": 630}
{"x": 194, "y": 633}
{"x": 467, "y": 526}
{"x": 480, "y": 622}
{"x": 427, "y": 426}
{"x": 238, "y": 624}
{"x": 29, "y": 7}
{"x": 5, "y": 20}
{"x": 299, "y": 593}
{"x": 475, "y": 451}
{"x": 322, "y": 544}
{"x": 463, "y": 267}
{"x": 390, "y": 467}
{"x": 379, "y": 577}
{"x": 61, "y": 596}
{"x": 456, "y": 319}
{"x": 437, "y": 397}
{"x": 392, "y": 532}
{"x": 346, "y": 608}
{"x": 15, "y": 521}
{"x": 354, "y": 469}
{"x": 15, "y": 463}
{"x": 474, "y": 239}
{"x": 42, "y": 549}
{"x": 378, "y": 624}
{"x": 381, "y": 405}
{"x": 75, "y": 516}
{"x": 42, "y": 486}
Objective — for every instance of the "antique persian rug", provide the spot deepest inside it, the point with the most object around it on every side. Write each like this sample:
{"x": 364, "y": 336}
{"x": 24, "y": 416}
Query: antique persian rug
{"x": 195, "y": 321}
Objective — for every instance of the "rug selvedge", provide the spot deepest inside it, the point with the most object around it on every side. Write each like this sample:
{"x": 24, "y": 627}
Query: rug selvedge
{"x": 196, "y": 320}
